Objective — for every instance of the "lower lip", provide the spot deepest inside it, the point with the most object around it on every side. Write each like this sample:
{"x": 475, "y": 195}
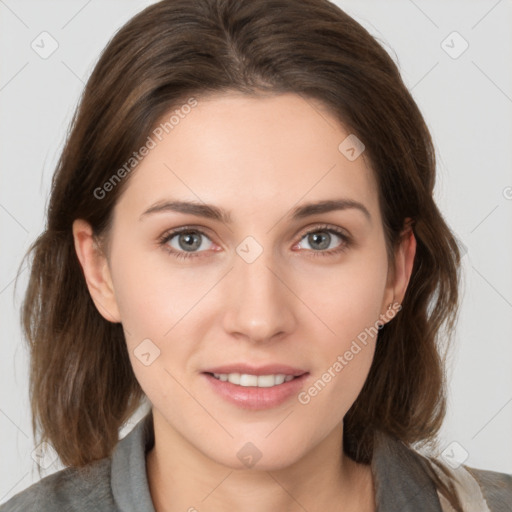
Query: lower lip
{"x": 255, "y": 398}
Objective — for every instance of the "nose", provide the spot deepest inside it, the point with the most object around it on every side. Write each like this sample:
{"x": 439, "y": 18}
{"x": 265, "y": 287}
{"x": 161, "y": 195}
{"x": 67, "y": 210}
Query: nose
{"x": 261, "y": 304}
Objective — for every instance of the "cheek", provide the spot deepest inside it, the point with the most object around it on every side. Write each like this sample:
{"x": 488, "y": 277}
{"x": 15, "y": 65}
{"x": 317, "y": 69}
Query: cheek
{"x": 161, "y": 309}
{"x": 343, "y": 368}
{"x": 349, "y": 305}
{"x": 346, "y": 298}
{"x": 151, "y": 293}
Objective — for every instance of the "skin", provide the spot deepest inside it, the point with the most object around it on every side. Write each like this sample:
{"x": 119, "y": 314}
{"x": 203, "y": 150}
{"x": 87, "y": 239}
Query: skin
{"x": 258, "y": 158}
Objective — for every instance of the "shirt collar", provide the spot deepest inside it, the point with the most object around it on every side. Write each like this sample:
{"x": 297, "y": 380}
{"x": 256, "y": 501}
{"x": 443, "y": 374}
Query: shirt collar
{"x": 401, "y": 482}
{"x": 130, "y": 485}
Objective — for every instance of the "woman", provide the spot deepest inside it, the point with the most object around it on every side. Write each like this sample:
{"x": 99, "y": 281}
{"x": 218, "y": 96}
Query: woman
{"x": 242, "y": 235}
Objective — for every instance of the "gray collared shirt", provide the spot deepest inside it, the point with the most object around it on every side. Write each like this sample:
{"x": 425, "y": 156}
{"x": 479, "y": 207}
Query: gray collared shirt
{"x": 119, "y": 483}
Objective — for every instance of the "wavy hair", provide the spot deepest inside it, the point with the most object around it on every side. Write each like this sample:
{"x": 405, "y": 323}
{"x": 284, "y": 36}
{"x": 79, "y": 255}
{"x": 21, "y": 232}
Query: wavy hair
{"x": 81, "y": 380}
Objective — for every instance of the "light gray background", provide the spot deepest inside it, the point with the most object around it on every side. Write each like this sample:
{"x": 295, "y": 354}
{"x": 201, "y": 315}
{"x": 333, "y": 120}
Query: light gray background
{"x": 467, "y": 103}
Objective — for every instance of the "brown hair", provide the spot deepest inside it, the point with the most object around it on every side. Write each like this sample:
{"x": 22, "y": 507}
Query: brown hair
{"x": 81, "y": 380}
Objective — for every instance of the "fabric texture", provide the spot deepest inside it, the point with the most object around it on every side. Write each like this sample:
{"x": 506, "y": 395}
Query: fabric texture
{"x": 467, "y": 487}
{"x": 119, "y": 483}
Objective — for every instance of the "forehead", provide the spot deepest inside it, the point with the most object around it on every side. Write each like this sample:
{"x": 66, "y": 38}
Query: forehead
{"x": 250, "y": 154}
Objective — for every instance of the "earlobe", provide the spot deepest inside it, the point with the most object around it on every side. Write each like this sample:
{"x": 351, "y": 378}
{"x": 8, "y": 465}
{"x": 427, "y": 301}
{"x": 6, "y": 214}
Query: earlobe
{"x": 96, "y": 271}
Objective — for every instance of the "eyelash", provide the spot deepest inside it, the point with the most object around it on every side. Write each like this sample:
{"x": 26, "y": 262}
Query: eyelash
{"x": 166, "y": 237}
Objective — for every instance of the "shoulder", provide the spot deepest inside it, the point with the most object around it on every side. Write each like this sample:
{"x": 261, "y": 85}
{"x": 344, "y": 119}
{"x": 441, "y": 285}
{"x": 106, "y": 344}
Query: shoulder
{"x": 405, "y": 474}
{"x": 491, "y": 490}
{"x": 496, "y": 488}
{"x": 71, "y": 489}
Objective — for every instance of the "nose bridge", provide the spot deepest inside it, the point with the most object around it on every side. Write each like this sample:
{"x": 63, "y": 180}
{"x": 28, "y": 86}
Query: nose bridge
{"x": 260, "y": 305}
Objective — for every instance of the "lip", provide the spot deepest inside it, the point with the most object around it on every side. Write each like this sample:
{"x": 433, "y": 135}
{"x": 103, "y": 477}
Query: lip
{"x": 252, "y": 397}
{"x": 269, "y": 369}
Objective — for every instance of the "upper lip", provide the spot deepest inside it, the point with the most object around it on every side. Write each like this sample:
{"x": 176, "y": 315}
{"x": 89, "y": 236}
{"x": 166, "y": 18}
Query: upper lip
{"x": 268, "y": 369}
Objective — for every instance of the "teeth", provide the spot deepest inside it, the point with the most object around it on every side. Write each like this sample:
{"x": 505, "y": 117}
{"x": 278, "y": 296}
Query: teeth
{"x": 261, "y": 381}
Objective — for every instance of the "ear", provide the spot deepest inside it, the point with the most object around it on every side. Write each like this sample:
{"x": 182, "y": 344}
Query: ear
{"x": 96, "y": 271}
{"x": 398, "y": 278}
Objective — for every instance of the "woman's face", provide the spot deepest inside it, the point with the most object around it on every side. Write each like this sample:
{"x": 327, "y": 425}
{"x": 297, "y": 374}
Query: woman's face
{"x": 247, "y": 285}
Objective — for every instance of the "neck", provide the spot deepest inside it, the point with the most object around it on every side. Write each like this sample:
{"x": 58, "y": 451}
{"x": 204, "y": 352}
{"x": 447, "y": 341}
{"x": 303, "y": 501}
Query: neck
{"x": 182, "y": 478}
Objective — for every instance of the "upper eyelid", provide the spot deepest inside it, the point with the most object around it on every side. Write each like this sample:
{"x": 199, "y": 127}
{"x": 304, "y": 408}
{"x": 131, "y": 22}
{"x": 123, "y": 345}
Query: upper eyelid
{"x": 204, "y": 230}
{"x": 171, "y": 233}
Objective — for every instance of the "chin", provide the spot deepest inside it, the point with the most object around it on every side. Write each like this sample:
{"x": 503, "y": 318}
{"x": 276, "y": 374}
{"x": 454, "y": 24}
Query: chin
{"x": 256, "y": 453}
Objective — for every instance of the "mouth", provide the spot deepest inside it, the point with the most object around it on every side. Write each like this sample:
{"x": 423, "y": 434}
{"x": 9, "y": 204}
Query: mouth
{"x": 250, "y": 380}
{"x": 257, "y": 390}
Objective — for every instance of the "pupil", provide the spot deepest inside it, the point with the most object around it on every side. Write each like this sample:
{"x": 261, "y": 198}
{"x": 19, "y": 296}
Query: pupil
{"x": 315, "y": 238}
{"x": 190, "y": 243}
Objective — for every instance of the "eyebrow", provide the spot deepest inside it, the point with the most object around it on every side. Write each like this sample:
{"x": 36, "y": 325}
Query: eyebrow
{"x": 215, "y": 213}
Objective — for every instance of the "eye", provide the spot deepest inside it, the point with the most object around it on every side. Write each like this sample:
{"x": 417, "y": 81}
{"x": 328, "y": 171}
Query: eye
{"x": 189, "y": 242}
{"x": 186, "y": 242}
{"x": 321, "y": 238}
